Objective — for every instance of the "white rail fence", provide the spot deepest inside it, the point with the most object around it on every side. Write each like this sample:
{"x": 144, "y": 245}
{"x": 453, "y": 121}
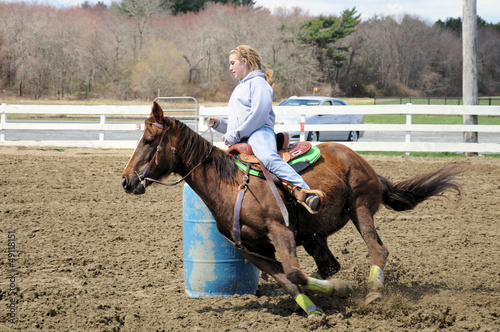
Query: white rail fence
{"x": 407, "y": 129}
{"x": 103, "y": 125}
{"x": 103, "y": 112}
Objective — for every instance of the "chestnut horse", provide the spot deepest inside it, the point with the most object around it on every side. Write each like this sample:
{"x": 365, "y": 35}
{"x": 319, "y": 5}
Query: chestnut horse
{"x": 353, "y": 191}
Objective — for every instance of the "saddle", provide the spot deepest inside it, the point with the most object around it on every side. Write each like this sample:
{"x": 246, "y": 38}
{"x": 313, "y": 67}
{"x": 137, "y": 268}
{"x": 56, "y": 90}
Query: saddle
{"x": 288, "y": 152}
{"x": 299, "y": 155}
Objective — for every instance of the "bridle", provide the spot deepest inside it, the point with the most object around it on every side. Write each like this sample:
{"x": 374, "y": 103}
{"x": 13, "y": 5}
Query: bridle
{"x": 143, "y": 177}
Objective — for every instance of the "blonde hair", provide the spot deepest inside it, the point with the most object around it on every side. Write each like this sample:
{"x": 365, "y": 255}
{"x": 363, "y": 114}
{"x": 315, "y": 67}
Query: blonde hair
{"x": 254, "y": 62}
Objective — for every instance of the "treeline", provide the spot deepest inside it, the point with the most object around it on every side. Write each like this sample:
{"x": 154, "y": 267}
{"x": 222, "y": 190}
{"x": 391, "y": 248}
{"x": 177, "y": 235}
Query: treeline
{"x": 138, "y": 49}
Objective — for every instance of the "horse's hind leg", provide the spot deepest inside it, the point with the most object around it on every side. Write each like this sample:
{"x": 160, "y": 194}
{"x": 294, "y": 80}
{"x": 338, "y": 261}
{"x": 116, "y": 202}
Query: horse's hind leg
{"x": 327, "y": 266}
{"x": 363, "y": 220}
{"x": 325, "y": 261}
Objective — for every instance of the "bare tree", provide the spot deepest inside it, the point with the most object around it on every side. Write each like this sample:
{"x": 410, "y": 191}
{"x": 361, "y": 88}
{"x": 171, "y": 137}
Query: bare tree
{"x": 18, "y": 34}
{"x": 163, "y": 69}
{"x": 488, "y": 61}
{"x": 116, "y": 41}
{"x": 404, "y": 58}
{"x": 295, "y": 63}
{"x": 141, "y": 11}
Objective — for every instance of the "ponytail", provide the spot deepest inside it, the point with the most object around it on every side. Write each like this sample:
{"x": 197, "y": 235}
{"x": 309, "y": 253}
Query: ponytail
{"x": 269, "y": 77}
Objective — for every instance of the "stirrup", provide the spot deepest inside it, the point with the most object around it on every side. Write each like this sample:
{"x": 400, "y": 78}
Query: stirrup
{"x": 313, "y": 201}
{"x": 321, "y": 196}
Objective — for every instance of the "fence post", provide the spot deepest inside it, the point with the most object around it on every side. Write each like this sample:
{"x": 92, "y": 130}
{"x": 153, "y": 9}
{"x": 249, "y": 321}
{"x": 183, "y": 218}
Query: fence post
{"x": 408, "y": 122}
{"x": 302, "y": 124}
{"x": 201, "y": 118}
{"x": 101, "y": 124}
{"x": 2, "y": 122}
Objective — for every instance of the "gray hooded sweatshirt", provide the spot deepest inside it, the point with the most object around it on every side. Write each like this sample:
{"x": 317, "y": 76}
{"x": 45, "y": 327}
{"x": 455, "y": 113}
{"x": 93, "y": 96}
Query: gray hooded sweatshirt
{"x": 250, "y": 108}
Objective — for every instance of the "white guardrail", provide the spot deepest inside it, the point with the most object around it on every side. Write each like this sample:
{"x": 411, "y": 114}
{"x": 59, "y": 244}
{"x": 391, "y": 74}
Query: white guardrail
{"x": 102, "y": 111}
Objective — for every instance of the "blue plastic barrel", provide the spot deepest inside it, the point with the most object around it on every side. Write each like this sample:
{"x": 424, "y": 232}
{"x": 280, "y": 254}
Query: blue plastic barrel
{"x": 212, "y": 267}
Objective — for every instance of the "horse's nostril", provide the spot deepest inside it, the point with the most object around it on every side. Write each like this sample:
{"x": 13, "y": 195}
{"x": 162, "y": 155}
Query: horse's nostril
{"x": 124, "y": 182}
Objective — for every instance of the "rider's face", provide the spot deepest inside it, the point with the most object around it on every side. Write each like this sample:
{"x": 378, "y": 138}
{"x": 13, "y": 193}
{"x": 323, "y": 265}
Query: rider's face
{"x": 238, "y": 67}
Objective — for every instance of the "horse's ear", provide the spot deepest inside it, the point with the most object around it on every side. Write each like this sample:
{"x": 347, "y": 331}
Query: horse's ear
{"x": 157, "y": 113}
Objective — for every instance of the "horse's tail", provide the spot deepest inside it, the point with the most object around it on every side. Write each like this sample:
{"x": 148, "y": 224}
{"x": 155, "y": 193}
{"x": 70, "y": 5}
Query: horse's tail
{"x": 407, "y": 194}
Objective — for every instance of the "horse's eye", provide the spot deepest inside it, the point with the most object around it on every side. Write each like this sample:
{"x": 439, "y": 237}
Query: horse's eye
{"x": 148, "y": 141}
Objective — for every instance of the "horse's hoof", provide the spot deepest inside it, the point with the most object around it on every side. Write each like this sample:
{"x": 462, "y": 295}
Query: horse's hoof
{"x": 341, "y": 288}
{"x": 316, "y": 315}
{"x": 373, "y": 297}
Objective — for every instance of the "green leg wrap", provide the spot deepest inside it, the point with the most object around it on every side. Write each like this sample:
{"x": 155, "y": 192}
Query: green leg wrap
{"x": 323, "y": 287}
{"x": 376, "y": 278}
{"x": 307, "y": 305}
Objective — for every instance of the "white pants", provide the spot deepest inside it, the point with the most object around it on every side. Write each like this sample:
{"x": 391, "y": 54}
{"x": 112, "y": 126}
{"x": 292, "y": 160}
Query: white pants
{"x": 263, "y": 143}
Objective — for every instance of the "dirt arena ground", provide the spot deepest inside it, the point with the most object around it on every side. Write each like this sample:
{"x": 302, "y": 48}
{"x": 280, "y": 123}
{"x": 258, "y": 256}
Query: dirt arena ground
{"x": 88, "y": 257}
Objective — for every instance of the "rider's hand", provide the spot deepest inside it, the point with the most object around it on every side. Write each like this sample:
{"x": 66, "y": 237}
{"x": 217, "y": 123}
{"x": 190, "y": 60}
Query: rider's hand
{"x": 212, "y": 121}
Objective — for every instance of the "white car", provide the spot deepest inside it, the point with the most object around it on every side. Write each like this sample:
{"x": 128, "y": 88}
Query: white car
{"x": 322, "y": 119}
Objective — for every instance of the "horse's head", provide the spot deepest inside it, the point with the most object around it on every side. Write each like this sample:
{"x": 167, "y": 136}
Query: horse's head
{"x": 152, "y": 157}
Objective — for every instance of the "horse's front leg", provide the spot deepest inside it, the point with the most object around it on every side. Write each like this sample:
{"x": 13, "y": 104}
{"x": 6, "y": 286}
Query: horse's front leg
{"x": 284, "y": 243}
{"x": 275, "y": 269}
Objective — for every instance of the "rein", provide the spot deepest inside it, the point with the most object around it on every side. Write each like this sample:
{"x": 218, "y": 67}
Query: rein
{"x": 143, "y": 177}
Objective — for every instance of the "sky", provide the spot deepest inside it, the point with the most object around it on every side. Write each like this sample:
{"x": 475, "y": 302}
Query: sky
{"x": 428, "y": 10}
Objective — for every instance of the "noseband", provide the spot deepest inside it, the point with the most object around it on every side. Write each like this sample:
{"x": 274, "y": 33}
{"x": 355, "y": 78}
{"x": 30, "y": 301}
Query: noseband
{"x": 143, "y": 177}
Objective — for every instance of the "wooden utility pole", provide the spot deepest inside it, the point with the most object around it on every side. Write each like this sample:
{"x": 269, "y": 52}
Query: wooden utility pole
{"x": 469, "y": 73}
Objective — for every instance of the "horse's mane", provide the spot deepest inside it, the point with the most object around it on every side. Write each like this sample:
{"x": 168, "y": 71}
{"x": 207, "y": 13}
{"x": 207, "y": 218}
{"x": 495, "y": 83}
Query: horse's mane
{"x": 195, "y": 148}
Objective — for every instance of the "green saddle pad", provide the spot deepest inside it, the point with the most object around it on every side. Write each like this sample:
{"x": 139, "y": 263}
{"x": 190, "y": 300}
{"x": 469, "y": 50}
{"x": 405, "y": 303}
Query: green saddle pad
{"x": 298, "y": 164}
